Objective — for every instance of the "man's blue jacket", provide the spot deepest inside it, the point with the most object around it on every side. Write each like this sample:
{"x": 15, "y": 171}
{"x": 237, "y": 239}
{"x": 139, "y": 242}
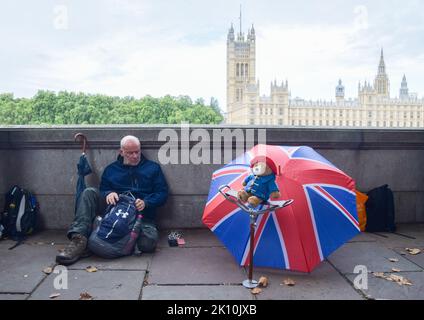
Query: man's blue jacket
{"x": 145, "y": 181}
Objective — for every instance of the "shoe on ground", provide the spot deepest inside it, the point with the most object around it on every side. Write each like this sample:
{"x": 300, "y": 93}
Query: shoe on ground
{"x": 73, "y": 251}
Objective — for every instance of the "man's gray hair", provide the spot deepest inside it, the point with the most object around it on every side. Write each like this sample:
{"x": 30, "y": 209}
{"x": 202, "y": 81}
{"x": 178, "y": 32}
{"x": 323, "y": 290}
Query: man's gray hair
{"x": 125, "y": 139}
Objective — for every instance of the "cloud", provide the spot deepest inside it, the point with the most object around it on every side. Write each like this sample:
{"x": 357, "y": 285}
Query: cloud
{"x": 132, "y": 63}
{"x": 137, "y": 48}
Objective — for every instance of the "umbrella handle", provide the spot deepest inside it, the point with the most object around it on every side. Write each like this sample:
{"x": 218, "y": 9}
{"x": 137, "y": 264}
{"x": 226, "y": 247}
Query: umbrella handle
{"x": 80, "y": 136}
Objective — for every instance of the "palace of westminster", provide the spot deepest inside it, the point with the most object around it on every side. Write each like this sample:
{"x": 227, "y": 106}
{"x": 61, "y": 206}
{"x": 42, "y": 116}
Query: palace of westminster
{"x": 372, "y": 108}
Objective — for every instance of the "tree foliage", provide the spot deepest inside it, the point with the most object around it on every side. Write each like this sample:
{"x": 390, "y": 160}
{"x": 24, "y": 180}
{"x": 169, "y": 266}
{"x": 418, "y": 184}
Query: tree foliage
{"x": 64, "y": 107}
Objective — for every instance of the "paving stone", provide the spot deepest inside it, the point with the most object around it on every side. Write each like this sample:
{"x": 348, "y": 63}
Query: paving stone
{"x": 364, "y": 237}
{"x": 373, "y": 255}
{"x": 101, "y": 285}
{"x": 48, "y": 237}
{"x": 418, "y": 259}
{"x": 193, "y": 238}
{"x": 21, "y": 269}
{"x": 124, "y": 263}
{"x": 322, "y": 283}
{"x": 195, "y": 266}
{"x": 13, "y": 296}
{"x": 415, "y": 230}
{"x": 392, "y": 240}
{"x": 220, "y": 292}
{"x": 379, "y": 288}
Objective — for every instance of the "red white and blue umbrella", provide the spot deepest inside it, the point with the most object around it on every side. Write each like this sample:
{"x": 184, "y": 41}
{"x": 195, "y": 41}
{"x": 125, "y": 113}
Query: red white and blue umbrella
{"x": 298, "y": 237}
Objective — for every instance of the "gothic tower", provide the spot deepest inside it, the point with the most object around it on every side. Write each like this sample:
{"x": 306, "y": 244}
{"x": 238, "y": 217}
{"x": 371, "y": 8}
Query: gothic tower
{"x": 403, "y": 92}
{"x": 241, "y": 58}
{"x": 381, "y": 82}
{"x": 340, "y": 92}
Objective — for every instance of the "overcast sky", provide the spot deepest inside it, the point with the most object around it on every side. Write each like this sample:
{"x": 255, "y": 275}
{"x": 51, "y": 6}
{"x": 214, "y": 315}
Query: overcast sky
{"x": 178, "y": 47}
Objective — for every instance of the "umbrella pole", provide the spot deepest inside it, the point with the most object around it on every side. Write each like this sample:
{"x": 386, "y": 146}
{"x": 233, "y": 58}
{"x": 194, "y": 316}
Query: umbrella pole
{"x": 250, "y": 283}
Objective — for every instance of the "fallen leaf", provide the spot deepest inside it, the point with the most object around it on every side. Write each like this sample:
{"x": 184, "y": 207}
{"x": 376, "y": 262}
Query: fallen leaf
{"x": 54, "y": 295}
{"x": 263, "y": 282}
{"x": 399, "y": 280}
{"x": 395, "y": 270}
{"x": 91, "y": 269}
{"x": 413, "y": 251}
{"x": 393, "y": 260}
{"x": 289, "y": 282}
{"x": 48, "y": 270}
{"x": 85, "y": 296}
{"x": 379, "y": 274}
{"x": 256, "y": 290}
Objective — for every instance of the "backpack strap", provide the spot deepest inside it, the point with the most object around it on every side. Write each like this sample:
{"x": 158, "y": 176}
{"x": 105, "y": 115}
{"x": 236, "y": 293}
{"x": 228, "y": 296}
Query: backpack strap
{"x": 18, "y": 243}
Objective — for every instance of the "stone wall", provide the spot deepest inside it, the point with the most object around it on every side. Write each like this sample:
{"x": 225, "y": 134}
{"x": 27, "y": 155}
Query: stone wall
{"x": 43, "y": 159}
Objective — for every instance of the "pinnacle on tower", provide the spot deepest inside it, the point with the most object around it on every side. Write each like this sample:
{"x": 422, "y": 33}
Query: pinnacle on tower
{"x": 231, "y": 33}
{"x": 403, "y": 92}
{"x": 382, "y": 65}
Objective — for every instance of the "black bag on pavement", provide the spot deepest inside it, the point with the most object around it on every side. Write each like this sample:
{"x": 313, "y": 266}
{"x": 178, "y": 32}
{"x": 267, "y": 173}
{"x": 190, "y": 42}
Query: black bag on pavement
{"x": 380, "y": 210}
{"x": 19, "y": 217}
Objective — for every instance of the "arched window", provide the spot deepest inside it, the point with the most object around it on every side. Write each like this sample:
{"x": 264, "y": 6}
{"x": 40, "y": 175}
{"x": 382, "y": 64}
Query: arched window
{"x": 242, "y": 70}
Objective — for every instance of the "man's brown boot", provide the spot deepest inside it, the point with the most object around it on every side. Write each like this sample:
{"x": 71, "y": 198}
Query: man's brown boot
{"x": 73, "y": 251}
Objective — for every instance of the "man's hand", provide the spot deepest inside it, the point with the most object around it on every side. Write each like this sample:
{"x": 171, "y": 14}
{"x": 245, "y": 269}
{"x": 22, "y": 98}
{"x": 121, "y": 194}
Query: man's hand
{"x": 112, "y": 198}
{"x": 139, "y": 204}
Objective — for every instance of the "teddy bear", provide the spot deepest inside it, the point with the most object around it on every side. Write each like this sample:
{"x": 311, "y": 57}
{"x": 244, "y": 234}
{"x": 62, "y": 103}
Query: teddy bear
{"x": 260, "y": 185}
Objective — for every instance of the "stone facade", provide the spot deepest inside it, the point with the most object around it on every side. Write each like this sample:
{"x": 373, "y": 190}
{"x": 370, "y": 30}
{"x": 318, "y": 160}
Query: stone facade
{"x": 372, "y": 108}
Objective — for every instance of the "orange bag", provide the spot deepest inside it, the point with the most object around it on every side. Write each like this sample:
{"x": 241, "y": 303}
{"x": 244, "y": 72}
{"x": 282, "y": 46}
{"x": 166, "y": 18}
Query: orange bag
{"x": 361, "y": 198}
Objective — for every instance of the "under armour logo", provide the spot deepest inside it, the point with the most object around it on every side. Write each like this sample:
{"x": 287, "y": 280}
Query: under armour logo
{"x": 123, "y": 214}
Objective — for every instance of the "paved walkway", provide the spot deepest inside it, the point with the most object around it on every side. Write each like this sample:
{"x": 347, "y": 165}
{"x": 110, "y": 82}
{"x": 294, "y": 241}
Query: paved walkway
{"x": 204, "y": 270}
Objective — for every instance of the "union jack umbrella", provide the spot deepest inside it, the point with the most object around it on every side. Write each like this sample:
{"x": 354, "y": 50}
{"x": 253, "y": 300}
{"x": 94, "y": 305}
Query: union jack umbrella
{"x": 298, "y": 237}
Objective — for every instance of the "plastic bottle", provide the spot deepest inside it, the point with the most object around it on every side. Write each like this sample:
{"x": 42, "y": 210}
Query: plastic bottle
{"x": 134, "y": 235}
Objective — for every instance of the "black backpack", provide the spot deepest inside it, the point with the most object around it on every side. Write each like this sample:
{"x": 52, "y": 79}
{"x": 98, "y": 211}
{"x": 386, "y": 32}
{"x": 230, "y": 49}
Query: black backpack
{"x": 19, "y": 217}
{"x": 380, "y": 210}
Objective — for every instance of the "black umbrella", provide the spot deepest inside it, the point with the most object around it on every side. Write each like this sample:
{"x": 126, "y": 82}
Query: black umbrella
{"x": 83, "y": 169}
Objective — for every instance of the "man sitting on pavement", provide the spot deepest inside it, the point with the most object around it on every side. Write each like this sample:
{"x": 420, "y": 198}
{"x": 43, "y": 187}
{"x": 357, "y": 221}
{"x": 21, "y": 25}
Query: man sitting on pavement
{"x": 131, "y": 172}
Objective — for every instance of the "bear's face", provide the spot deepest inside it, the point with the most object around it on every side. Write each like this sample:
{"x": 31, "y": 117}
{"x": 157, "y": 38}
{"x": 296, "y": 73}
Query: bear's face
{"x": 261, "y": 169}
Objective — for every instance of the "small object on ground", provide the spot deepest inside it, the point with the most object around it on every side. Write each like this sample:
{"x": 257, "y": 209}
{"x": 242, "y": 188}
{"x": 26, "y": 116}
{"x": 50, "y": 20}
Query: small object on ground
{"x": 91, "y": 269}
{"x": 399, "y": 280}
{"x": 181, "y": 241}
{"x": 48, "y": 270}
{"x": 256, "y": 290}
{"x": 173, "y": 237}
{"x": 54, "y": 295}
{"x": 263, "y": 282}
{"x": 85, "y": 296}
{"x": 413, "y": 251}
{"x": 393, "y": 278}
{"x": 289, "y": 282}
{"x": 393, "y": 260}
{"x": 379, "y": 274}
{"x": 395, "y": 270}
